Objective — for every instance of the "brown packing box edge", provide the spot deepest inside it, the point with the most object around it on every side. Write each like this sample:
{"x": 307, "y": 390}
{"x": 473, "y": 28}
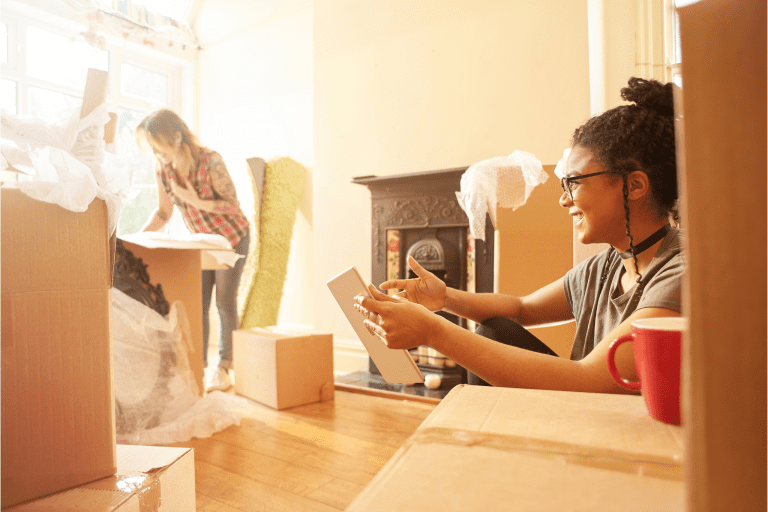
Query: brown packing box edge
{"x": 58, "y": 423}
{"x": 485, "y": 448}
{"x": 286, "y": 367}
{"x": 147, "y": 479}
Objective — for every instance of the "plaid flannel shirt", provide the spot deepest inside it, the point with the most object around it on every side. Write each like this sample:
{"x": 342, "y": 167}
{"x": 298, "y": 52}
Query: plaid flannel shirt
{"x": 233, "y": 225}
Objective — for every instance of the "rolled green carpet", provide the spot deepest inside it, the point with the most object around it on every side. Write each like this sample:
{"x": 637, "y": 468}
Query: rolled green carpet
{"x": 261, "y": 286}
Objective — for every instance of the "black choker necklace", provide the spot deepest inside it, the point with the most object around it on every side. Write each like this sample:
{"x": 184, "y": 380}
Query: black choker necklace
{"x": 645, "y": 244}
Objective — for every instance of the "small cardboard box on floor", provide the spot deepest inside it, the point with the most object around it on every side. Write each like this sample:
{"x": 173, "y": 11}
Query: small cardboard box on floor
{"x": 487, "y": 449}
{"x": 283, "y": 368}
{"x": 148, "y": 479}
{"x": 58, "y": 409}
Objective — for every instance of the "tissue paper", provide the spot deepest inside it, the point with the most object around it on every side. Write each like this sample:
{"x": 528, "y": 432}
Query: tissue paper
{"x": 66, "y": 160}
{"x": 560, "y": 171}
{"x": 504, "y": 181}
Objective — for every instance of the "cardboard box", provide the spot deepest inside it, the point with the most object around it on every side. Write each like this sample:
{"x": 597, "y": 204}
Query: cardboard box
{"x": 148, "y": 479}
{"x": 486, "y": 448}
{"x": 534, "y": 247}
{"x": 58, "y": 410}
{"x": 283, "y": 368}
{"x": 177, "y": 265}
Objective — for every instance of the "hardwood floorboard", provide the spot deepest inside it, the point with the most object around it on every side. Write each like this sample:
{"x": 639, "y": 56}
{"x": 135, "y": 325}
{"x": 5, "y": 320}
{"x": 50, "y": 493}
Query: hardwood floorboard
{"x": 249, "y": 495}
{"x": 262, "y": 468}
{"x": 206, "y": 504}
{"x": 314, "y": 458}
{"x": 302, "y": 452}
{"x": 337, "y": 493}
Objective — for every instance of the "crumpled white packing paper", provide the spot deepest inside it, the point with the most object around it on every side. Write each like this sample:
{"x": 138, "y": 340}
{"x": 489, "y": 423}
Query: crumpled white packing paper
{"x": 560, "y": 167}
{"x": 506, "y": 181}
{"x": 66, "y": 160}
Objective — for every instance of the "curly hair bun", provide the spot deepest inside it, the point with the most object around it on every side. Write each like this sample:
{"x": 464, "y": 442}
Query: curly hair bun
{"x": 650, "y": 95}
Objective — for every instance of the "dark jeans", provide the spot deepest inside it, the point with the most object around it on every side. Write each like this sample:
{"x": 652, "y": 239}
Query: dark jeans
{"x": 509, "y": 332}
{"x": 227, "y": 282}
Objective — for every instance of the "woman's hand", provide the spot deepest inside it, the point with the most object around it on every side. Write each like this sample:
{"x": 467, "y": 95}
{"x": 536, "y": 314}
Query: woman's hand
{"x": 427, "y": 290}
{"x": 400, "y": 324}
{"x": 186, "y": 193}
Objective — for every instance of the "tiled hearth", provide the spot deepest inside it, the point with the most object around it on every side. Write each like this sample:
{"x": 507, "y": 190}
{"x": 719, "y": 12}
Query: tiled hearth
{"x": 375, "y": 382}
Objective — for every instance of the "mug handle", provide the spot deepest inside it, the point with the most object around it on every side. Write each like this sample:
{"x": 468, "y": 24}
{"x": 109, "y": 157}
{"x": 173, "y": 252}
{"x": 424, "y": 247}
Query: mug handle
{"x": 621, "y": 381}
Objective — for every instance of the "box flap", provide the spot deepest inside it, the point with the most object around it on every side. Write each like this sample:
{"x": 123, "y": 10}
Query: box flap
{"x": 490, "y": 449}
{"x": 147, "y": 459}
{"x": 154, "y": 241}
{"x": 437, "y": 477}
{"x": 275, "y": 333}
{"x": 608, "y": 422}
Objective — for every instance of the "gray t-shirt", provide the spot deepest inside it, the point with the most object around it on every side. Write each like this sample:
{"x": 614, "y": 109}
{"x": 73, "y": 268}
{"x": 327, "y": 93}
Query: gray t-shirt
{"x": 598, "y": 309}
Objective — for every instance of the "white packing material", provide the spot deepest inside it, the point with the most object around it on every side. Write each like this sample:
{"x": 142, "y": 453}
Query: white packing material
{"x": 14, "y": 156}
{"x": 504, "y": 181}
{"x": 560, "y": 167}
{"x": 156, "y": 395}
{"x": 66, "y": 160}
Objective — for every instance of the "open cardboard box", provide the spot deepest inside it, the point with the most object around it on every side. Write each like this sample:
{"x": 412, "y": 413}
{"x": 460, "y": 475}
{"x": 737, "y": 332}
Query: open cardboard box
{"x": 58, "y": 410}
{"x": 148, "y": 479}
{"x": 177, "y": 265}
{"x": 486, "y": 448}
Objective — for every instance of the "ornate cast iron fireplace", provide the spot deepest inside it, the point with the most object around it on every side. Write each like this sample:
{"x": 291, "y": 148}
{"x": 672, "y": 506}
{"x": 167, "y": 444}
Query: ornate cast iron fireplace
{"x": 418, "y": 214}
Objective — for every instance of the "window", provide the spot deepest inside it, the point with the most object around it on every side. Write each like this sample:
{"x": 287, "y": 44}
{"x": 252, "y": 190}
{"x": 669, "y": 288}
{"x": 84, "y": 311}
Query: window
{"x": 44, "y": 66}
{"x": 672, "y": 41}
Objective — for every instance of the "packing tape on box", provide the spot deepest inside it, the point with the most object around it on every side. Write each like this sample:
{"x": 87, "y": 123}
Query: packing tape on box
{"x": 146, "y": 486}
{"x": 667, "y": 468}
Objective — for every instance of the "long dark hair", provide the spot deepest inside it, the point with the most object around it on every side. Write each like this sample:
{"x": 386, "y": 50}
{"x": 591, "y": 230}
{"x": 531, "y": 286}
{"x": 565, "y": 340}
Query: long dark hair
{"x": 638, "y": 137}
{"x": 160, "y": 127}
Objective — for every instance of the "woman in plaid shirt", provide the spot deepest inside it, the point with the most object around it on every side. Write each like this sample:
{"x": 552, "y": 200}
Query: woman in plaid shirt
{"x": 195, "y": 179}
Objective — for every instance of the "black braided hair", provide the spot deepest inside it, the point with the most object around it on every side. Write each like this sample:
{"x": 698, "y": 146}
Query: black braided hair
{"x": 639, "y": 136}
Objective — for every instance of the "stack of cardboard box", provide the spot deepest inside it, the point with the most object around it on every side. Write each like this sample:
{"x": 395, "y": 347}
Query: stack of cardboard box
{"x": 58, "y": 416}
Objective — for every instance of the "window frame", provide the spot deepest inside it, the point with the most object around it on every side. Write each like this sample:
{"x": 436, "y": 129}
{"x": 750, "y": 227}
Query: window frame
{"x": 179, "y": 72}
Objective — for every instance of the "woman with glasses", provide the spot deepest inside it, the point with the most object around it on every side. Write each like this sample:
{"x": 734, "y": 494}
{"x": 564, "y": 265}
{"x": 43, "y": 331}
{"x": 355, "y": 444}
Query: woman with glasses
{"x": 621, "y": 189}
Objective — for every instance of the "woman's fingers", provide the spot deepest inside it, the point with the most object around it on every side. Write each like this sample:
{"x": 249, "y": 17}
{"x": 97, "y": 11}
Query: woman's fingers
{"x": 376, "y": 294}
{"x": 376, "y": 330}
{"x": 369, "y": 304}
{"x": 393, "y": 283}
{"x": 418, "y": 269}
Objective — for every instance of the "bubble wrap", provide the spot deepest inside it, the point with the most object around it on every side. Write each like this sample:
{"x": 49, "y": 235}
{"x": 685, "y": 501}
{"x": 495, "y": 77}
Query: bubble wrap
{"x": 506, "y": 181}
{"x": 156, "y": 395}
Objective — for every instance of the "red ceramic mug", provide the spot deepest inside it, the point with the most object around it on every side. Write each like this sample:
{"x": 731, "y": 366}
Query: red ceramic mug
{"x": 657, "y": 358}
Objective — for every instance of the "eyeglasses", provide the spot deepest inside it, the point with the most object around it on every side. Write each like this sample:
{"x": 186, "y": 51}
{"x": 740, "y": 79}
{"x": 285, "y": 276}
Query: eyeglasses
{"x": 566, "y": 182}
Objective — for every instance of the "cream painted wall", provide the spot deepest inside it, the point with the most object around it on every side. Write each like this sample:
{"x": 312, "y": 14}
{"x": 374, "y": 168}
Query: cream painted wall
{"x": 406, "y": 86}
{"x": 255, "y": 99}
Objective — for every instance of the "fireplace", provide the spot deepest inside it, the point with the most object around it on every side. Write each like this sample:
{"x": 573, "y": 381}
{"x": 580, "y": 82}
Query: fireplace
{"x": 418, "y": 215}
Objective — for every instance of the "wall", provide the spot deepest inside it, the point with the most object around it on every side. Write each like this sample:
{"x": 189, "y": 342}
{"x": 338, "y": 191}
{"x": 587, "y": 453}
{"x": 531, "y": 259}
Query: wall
{"x": 405, "y": 86}
{"x": 255, "y": 99}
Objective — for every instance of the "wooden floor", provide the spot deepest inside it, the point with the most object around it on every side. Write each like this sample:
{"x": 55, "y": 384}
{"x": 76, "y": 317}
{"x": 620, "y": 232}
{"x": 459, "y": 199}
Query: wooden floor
{"x": 316, "y": 457}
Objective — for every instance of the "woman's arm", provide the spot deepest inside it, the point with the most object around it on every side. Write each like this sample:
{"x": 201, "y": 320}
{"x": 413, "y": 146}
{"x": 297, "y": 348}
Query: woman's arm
{"x": 546, "y": 305}
{"x": 162, "y": 214}
{"x": 405, "y": 325}
{"x": 222, "y": 185}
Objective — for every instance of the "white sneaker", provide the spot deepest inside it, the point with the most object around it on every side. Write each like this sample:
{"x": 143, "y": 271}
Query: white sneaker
{"x": 218, "y": 380}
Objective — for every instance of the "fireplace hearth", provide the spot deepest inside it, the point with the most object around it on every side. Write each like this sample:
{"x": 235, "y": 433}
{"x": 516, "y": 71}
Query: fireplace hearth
{"x": 418, "y": 215}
